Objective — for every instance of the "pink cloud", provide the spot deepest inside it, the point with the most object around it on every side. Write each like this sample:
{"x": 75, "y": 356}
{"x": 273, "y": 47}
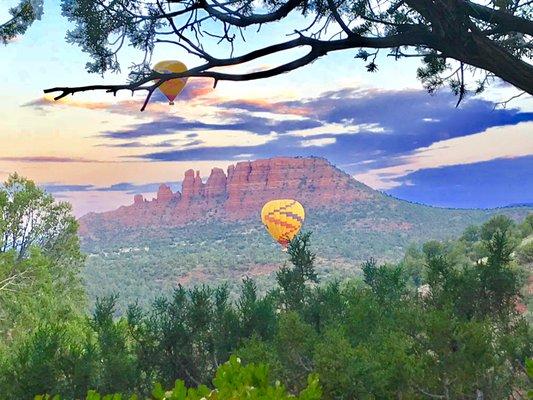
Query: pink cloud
{"x": 47, "y": 159}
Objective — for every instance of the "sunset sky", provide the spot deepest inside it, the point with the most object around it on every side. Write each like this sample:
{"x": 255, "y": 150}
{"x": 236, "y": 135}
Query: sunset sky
{"x": 97, "y": 150}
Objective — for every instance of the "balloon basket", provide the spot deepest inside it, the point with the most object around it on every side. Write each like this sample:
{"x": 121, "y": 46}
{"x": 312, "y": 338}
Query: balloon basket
{"x": 170, "y": 103}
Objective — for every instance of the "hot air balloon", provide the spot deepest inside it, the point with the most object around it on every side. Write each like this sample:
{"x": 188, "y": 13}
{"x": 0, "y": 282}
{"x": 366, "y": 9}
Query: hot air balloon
{"x": 172, "y": 87}
{"x": 283, "y": 219}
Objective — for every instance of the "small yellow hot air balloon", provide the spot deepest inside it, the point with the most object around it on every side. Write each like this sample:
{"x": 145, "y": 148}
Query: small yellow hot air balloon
{"x": 283, "y": 219}
{"x": 172, "y": 87}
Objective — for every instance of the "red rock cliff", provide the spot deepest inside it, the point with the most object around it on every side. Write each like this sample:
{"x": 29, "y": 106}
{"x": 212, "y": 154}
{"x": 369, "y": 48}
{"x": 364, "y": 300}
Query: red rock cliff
{"x": 239, "y": 194}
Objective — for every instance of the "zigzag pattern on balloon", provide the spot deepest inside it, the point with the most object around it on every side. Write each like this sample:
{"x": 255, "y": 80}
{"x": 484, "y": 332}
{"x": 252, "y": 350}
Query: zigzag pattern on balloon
{"x": 276, "y": 221}
{"x": 280, "y": 209}
{"x": 292, "y": 215}
{"x": 283, "y": 219}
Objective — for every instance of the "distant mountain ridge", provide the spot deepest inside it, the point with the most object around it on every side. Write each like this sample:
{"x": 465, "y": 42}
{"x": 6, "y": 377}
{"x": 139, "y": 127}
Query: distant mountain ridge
{"x": 236, "y": 195}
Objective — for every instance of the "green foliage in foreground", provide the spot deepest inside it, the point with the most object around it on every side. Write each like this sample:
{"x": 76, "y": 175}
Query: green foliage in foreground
{"x": 443, "y": 323}
{"x": 529, "y": 369}
{"x": 40, "y": 260}
{"x": 455, "y": 333}
{"x": 232, "y": 381}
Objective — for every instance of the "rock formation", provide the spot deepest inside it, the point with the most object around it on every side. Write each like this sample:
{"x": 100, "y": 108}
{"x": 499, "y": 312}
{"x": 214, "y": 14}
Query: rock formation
{"x": 216, "y": 184}
{"x": 237, "y": 195}
{"x": 164, "y": 194}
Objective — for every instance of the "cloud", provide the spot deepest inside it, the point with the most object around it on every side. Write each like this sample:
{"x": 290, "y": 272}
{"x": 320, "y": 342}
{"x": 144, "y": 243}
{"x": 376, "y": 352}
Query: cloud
{"x": 195, "y": 90}
{"x": 59, "y": 188}
{"x": 412, "y": 118}
{"x": 131, "y": 188}
{"x": 363, "y": 122}
{"x": 48, "y": 159}
{"x": 486, "y": 184}
{"x": 345, "y": 128}
{"x": 48, "y": 101}
{"x": 246, "y": 156}
{"x": 123, "y": 107}
{"x": 203, "y": 153}
{"x": 386, "y": 138}
{"x": 238, "y": 122}
{"x": 317, "y": 142}
{"x": 137, "y": 144}
{"x": 361, "y": 145}
{"x": 509, "y": 141}
{"x": 263, "y": 105}
{"x": 379, "y": 136}
{"x": 126, "y": 187}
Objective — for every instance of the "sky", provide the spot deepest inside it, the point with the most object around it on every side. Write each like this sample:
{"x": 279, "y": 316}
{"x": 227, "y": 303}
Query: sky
{"x": 96, "y": 150}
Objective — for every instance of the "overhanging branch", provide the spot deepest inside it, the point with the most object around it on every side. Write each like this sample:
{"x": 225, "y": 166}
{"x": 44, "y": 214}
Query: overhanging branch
{"x": 510, "y": 22}
{"x": 318, "y": 49}
{"x": 242, "y": 21}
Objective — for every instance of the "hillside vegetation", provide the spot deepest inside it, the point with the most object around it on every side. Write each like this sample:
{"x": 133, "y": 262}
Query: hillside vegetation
{"x": 142, "y": 263}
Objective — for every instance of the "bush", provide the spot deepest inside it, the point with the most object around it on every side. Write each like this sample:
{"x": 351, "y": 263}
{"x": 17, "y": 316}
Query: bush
{"x": 232, "y": 381}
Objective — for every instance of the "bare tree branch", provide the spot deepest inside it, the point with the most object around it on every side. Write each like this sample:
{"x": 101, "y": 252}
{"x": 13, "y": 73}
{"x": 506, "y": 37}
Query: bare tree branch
{"x": 504, "y": 103}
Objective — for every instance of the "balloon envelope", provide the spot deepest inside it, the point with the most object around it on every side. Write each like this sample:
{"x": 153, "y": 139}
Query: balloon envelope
{"x": 283, "y": 219}
{"x": 172, "y": 87}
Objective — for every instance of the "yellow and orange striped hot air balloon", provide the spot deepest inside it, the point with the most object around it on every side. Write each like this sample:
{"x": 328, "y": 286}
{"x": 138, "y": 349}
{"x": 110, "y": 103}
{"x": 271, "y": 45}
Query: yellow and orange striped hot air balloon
{"x": 283, "y": 219}
{"x": 172, "y": 87}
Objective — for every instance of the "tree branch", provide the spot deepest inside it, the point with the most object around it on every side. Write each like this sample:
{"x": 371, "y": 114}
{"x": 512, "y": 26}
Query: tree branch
{"x": 505, "y": 20}
{"x": 318, "y": 49}
{"x": 338, "y": 18}
{"x": 247, "y": 20}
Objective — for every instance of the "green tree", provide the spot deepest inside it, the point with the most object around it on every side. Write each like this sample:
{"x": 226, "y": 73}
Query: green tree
{"x": 117, "y": 364}
{"x": 388, "y": 283}
{"x": 39, "y": 254}
{"x": 292, "y": 281}
{"x": 294, "y": 344}
{"x": 257, "y": 315}
{"x": 526, "y": 227}
{"x": 413, "y": 265}
{"x": 164, "y": 340}
{"x": 524, "y": 253}
{"x": 497, "y": 223}
{"x": 529, "y": 370}
{"x": 500, "y": 280}
{"x": 22, "y": 16}
{"x": 226, "y": 326}
{"x": 471, "y": 234}
{"x": 373, "y": 338}
{"x": 31, "y": 217}
{"x": 36, "y": 366}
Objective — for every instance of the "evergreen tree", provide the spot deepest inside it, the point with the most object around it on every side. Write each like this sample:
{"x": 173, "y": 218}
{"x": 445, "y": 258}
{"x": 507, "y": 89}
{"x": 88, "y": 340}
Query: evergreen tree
{"x": 292, "y": 280}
